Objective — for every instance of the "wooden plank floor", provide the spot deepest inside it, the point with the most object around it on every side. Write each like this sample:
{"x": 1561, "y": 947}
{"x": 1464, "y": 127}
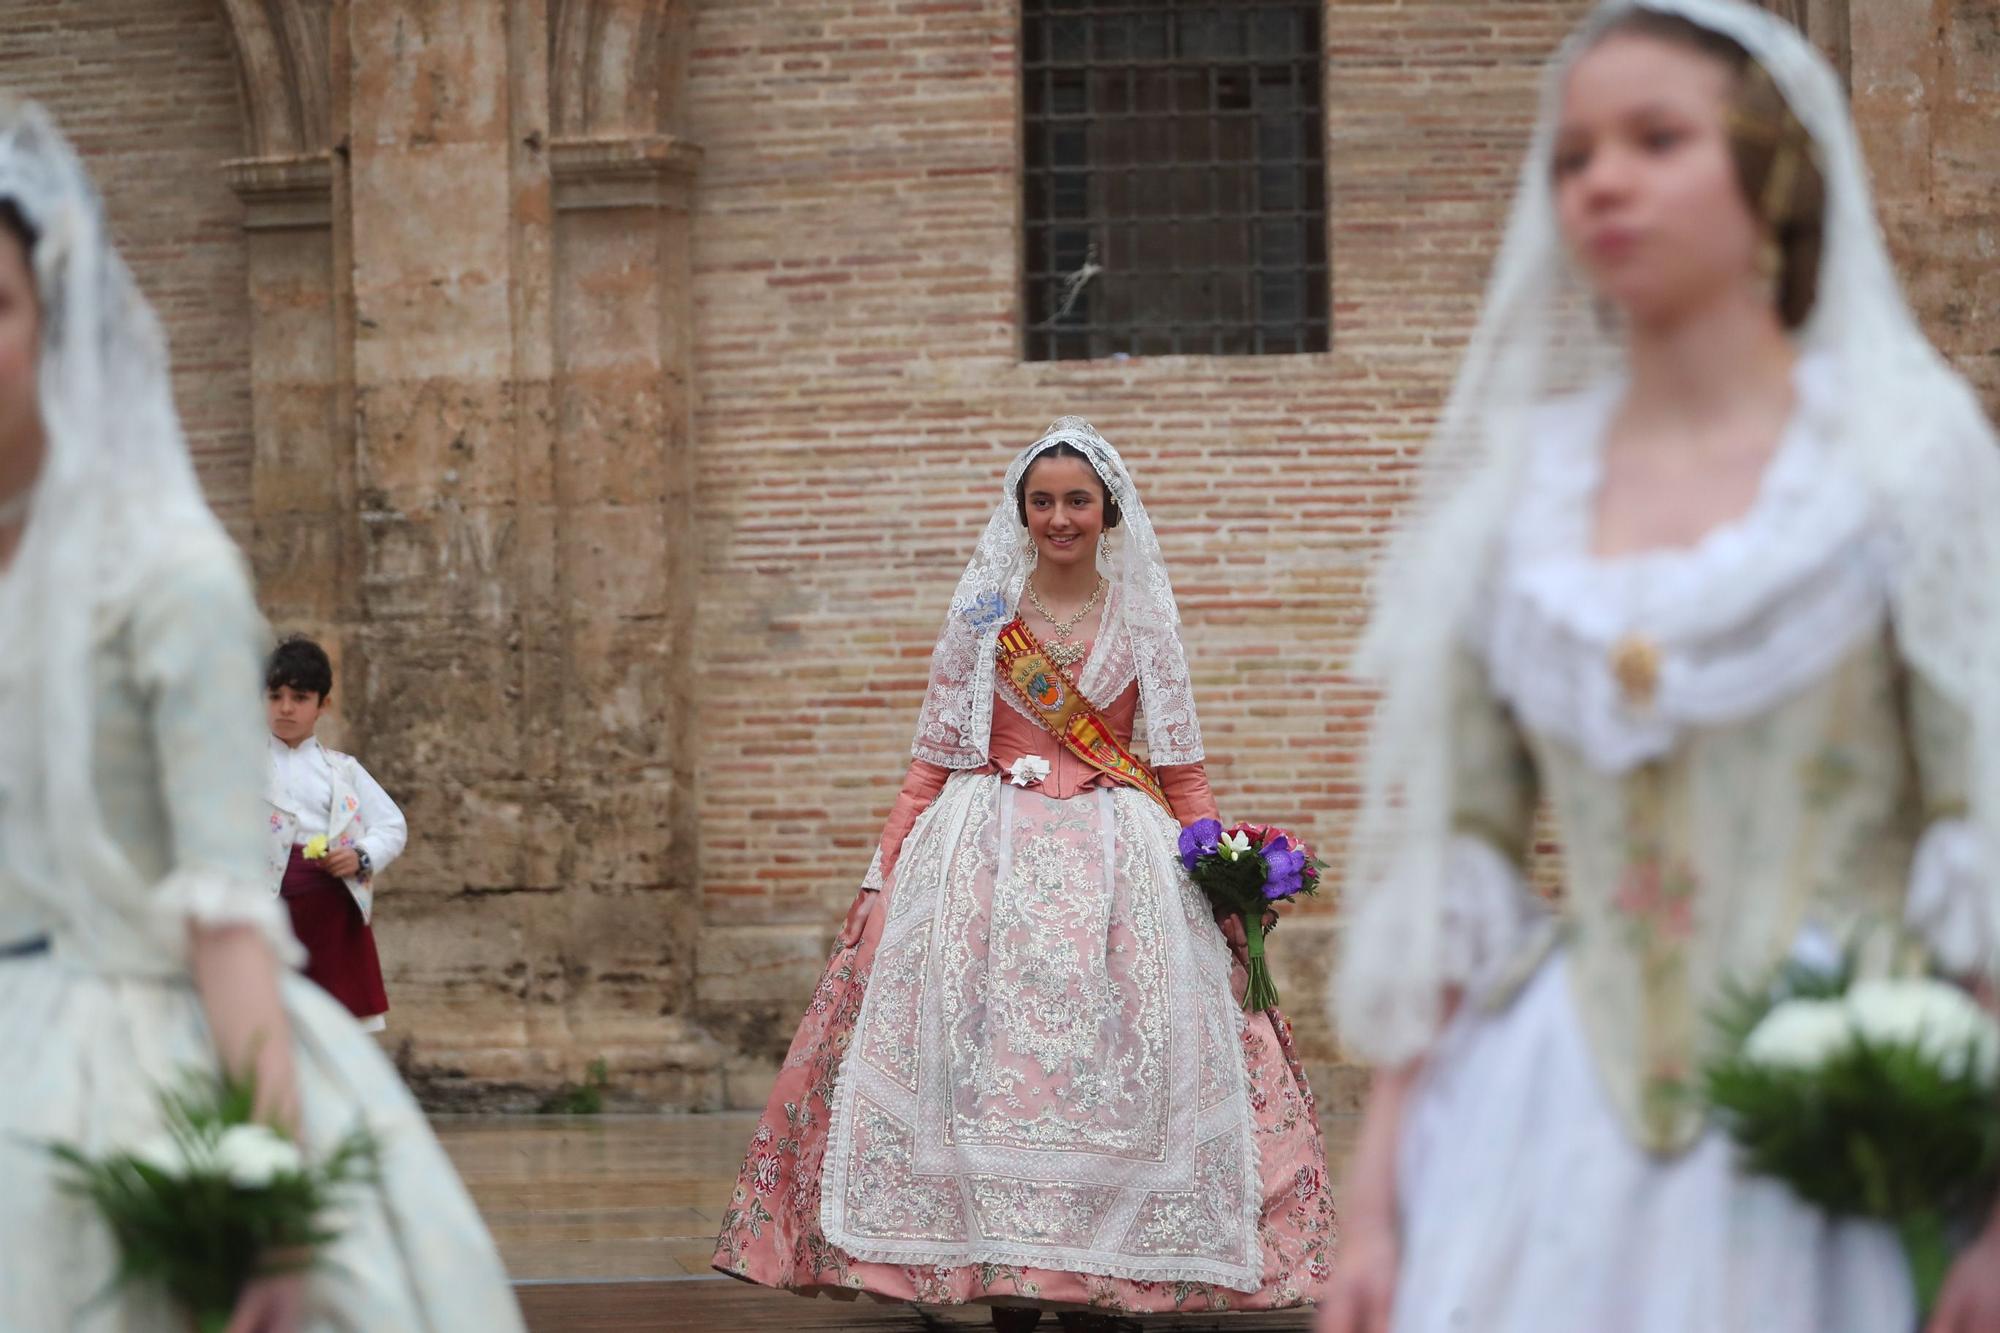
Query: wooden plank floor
{"x": 607, "y": 1223}
{"x": 600, "y": 1197}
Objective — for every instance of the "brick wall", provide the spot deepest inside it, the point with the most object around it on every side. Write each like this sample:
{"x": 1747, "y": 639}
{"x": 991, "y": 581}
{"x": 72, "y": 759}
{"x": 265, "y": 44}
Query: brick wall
{"x": 1927, "y": 101}
{"x": 860, "y": 393}
{"x": 147, "y": 90}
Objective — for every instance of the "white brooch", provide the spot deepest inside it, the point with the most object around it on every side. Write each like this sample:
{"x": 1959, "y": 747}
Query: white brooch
{"x": 1028, "y": 770}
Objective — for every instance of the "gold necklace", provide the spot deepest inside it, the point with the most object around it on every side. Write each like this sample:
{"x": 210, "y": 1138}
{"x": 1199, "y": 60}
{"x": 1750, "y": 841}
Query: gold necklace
{"x": 1063, "y": 652}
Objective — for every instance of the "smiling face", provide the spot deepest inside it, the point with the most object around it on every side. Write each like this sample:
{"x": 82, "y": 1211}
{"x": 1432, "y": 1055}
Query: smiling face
{"x": 1062, "y": 501}
{"x": 1647, "y": 189}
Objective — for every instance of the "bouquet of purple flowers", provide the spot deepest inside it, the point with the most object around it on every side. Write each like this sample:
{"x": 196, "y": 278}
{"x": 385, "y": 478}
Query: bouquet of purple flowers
{"x": 1245, "y": 870}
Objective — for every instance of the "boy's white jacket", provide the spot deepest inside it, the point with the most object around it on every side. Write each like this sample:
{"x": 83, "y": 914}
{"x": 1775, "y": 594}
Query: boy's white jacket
{"x": 362, "y": 815}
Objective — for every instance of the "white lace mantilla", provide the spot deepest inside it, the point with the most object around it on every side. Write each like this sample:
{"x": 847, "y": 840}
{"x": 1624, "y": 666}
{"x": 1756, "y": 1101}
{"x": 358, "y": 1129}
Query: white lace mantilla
{"x": 1140, "y": 621}
{"x": 1759, "y": 609}
{"x": 1048, "y": 1067}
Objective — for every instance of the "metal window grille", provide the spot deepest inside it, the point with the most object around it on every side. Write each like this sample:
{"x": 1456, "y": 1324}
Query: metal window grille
{"x": 1174, "y": 177}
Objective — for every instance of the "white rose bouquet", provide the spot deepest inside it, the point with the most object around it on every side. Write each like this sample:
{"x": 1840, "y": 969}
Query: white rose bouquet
{"x": 215, "y": 1201}
{"x": 1875, "y": 1098}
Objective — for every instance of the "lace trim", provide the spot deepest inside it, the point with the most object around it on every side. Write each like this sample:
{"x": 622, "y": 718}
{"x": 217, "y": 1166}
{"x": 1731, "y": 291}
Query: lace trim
{"x": 1760, "y": 608}
{"x": 1095, "y": 1194}
{"x": 1141, "y": 616}
{"x": 1490, "y": 914}
{"x": 1952, "y": 906}
{"x": 213, "y": 899}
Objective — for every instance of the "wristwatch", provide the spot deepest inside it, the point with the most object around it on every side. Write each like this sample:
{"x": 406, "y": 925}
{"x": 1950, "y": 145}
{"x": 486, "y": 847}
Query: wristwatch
{"x": 367, "y": 870}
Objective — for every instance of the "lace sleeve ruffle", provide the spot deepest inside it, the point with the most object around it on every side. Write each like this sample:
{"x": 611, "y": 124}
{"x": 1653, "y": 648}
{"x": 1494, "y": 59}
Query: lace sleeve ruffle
{"x": 209, "y": 898}
{"x": 1952, "y": 906}
{"x": 1490, "y": 915}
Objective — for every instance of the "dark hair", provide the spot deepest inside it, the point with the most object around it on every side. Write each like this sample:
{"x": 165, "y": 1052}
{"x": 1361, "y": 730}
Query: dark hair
{"x": 1773, "y": 152}
{"x": 15, "y": 223}
{"x": 1064, "y": 449}
{"x": 300, "y": 664}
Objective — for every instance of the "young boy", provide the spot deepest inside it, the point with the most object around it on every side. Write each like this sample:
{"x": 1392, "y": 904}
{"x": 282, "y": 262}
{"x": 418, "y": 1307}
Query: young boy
{"x": 332, "y": 830}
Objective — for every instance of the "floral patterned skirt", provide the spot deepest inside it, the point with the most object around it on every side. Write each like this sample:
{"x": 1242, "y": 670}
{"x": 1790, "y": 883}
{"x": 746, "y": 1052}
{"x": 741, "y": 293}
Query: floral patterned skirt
{"x": 772, "y": 1232}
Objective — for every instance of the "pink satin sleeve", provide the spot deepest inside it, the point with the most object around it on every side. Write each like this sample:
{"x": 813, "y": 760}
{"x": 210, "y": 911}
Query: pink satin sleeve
{"x": 921, "y": 786}
{"x": 1186, "y": 786}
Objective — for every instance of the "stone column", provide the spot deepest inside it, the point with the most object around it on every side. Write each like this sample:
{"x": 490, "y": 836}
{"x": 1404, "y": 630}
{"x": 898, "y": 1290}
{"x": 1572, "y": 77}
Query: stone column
{"x": 473, "y": 476}
{"x": 304, "y": 534}
{"x": 621, "y": 312}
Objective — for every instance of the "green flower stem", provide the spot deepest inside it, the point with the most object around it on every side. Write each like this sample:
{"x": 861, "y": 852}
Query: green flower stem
{"x": 1261, "y": 994}
{"x": 1929, "y": 1253}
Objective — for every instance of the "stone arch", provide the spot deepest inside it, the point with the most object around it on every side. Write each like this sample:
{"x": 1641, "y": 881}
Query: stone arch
{"x": 617, "y": 68}
{"x": 283, "y": 70}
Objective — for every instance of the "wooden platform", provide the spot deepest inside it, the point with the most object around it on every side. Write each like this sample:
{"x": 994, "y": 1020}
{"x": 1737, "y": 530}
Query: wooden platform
{"x": 607, "y": 1224}
{"x": 600, "y": 1197}
{"x": 725, "y": 1306}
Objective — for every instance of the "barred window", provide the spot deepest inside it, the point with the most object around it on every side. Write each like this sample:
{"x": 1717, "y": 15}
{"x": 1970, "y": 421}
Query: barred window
{"x": 1174, "y": 178}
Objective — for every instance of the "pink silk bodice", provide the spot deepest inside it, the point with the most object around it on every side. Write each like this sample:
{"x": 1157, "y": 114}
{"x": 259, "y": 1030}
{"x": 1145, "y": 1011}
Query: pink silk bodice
{"x": 1014, "y": 736}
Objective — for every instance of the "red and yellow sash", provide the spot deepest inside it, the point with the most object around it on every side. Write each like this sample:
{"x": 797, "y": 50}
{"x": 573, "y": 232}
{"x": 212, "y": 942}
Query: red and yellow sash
{"x": 1055, "y": 701}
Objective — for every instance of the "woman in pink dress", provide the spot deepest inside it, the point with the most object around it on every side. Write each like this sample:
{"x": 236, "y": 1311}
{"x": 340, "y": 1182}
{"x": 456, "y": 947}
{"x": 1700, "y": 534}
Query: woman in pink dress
{"x": 1025, "y": 1079}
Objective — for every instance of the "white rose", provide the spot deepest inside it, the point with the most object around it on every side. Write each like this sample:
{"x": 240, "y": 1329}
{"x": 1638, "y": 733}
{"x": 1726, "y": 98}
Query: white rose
{"x": 1799, "y": 1034}
{"x": 166, "y": 1154}
{"x": 1938, "y": 1019}
{"x": 252, "y": 1156}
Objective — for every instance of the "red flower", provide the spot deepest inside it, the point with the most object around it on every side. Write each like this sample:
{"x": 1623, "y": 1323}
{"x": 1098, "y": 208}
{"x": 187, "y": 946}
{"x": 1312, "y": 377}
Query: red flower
{"x": 1263, "y": 835}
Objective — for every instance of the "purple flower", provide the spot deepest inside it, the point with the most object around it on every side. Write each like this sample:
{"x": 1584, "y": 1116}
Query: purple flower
{"x": 1284, "y": 869}
{"x": 1200, "y": 839}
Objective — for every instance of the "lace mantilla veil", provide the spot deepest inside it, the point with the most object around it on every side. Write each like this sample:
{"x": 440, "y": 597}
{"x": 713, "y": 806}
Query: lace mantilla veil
{"x": 1910, "y": 431}
{"x": 117, "y": 497}
{"x": 1139, "y": 638}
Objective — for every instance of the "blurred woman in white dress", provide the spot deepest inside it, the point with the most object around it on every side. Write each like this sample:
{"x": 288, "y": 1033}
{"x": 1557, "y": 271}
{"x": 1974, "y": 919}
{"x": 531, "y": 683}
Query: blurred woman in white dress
{"x": 138, "y": 937}
{"x": 1706, "y": 563}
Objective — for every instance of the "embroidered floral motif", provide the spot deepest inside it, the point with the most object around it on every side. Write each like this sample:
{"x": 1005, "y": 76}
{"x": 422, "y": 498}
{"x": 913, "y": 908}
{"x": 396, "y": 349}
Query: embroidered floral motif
{"x": 1038, "y": 1214}
{"x": 771, "y": 1231}
{"x": 891, "y": 1043}
{"x": 887, "y": 1198}
{"x": 1657, "y": 900}
{"x": 1027, "y": 1021}
{"x": 1207, "y": 1219}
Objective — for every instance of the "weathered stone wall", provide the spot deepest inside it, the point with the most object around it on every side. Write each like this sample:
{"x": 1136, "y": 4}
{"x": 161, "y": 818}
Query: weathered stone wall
{"x": 1927, "y": 100}
{"x": 628, "y": 479}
